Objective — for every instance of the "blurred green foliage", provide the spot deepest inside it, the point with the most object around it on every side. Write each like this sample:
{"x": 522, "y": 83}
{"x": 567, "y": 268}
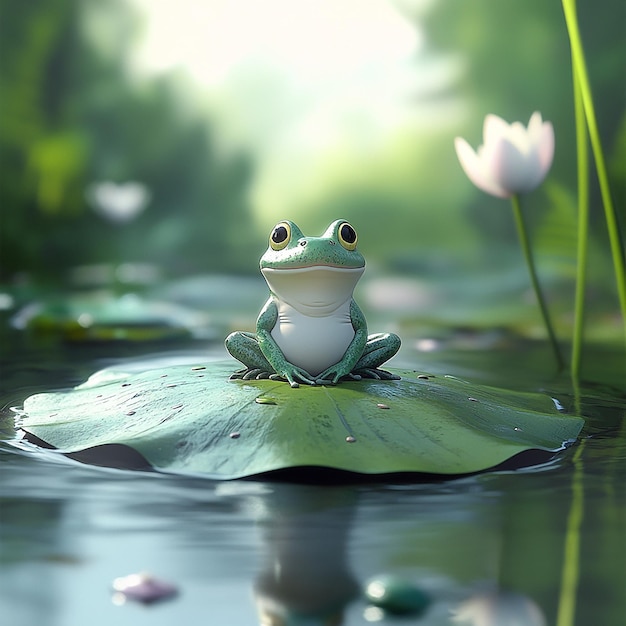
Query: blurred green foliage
{"x": 71, "y": 115}
{"x": 518, "y": 61}
{"x": 411, "y": 202}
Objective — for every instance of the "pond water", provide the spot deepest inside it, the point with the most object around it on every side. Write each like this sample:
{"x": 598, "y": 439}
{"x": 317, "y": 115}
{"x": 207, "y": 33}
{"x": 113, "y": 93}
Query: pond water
{"x": 526, "y": 547}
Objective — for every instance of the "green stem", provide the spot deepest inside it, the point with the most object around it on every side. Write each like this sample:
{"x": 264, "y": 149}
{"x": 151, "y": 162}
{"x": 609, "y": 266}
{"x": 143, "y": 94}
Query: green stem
{"x": 580, "y": 71}
{"x": 523, "y": 237}
{"x": 571, "y": 559}
{"x": 583, "y": 234}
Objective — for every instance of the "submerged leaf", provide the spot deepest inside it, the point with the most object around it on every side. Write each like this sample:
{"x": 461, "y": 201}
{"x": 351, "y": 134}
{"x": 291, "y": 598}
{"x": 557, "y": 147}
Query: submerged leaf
{"x": 193, "y": 419}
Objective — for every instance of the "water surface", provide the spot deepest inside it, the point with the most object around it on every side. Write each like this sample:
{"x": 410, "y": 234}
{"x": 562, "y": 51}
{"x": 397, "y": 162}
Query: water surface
{"x": 246, "y": 551}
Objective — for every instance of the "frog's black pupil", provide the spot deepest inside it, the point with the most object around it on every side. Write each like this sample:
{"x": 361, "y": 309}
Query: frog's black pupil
{"x": 279, "y": 235}
{"x": 348, "y": 233}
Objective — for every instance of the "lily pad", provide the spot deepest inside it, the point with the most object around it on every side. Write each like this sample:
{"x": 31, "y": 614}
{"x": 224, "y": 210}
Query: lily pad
{"x": 103, "y": 316}
{"x": 190, "y": 418}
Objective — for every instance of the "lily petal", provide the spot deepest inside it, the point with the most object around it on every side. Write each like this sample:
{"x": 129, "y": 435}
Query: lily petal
{"x": 519, "y": 137}
{"x": 541, "y": 155}
{"x": 512, "y": 169}
{"x": 474, "y": 167}
{"x": 535, "y": 125}
{"x": 513, "y": 158}
{"x": 494, "y": 127}
{"x": 545, "y": 144}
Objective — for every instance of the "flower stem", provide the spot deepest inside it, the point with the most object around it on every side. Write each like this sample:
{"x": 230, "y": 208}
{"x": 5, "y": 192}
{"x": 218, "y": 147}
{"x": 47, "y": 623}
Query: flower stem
{"x": 580, "y": 71}
{"x": 523, "y": 237}
{"x": 571, "y": 559}
{"x": 582, "y": 153}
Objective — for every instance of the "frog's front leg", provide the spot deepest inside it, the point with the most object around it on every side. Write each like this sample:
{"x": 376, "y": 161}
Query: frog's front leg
{"x": 365, "y": 354}
{"x": 345, "y": 367}
{"x": 379, "y": 348}
{"x": 271, "y": 351}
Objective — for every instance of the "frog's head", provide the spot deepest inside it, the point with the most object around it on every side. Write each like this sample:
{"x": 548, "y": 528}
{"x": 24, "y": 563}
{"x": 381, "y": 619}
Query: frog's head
{"x": 290, "y": 249}
{"x": 313, "y": 274}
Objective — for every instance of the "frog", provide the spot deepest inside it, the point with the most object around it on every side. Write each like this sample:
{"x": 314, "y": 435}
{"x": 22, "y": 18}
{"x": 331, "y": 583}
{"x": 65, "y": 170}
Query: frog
{"x": 311, "y": 330}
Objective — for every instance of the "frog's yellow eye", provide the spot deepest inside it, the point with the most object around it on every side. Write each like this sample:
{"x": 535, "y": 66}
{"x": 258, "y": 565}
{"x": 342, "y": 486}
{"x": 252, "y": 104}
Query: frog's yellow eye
{"x": 347, "y": 236}
{"x": 280, "y": 236}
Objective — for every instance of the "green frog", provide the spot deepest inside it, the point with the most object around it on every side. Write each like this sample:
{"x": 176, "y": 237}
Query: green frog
{"x": 311, "y": 330}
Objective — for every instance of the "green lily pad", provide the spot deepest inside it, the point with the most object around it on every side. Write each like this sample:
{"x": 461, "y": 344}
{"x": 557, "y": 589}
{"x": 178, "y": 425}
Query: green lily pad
{"x": 103, "y": 316}
{"x": 192, "y": 419}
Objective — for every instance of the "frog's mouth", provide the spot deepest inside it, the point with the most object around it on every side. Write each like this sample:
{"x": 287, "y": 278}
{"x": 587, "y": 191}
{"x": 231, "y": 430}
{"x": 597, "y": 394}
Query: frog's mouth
{"x": 315, "y": 290}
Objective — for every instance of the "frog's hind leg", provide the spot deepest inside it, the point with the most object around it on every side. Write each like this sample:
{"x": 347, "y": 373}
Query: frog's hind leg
{"x": 245, "y": 348}
{"x": 379, "y": 348}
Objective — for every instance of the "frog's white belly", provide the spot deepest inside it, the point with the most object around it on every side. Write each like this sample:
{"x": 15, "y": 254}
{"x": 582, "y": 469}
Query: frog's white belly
{"x": 313, "y": 343}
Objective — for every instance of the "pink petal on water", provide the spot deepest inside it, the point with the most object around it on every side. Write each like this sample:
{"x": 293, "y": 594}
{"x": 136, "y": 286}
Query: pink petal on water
{"x": 142, "y": 588}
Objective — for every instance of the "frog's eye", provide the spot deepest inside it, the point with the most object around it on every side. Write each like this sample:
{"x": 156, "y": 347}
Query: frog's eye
{"x": 347, "y": 236}
{"x": 280, "y": 236}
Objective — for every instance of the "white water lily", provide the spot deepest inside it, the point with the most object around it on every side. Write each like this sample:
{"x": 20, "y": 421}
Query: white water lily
{"x": 513, "y": 159}
{"x": 118, "y": 202}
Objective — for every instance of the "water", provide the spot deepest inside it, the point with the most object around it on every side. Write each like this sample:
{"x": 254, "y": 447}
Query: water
{"x": 240, "y": 552}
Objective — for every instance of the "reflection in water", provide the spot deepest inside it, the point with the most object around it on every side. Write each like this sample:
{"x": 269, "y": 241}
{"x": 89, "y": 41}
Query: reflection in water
{"x": 499, "y": 608}
{"x": 31, "y": 533}
{"x": 305, "y": 577}
{"x": 253, "y": 552}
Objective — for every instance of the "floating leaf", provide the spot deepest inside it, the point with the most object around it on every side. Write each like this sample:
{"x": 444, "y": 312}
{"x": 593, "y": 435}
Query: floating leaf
{"x": 190, "y": 418}
{"x": 104, "y": 317}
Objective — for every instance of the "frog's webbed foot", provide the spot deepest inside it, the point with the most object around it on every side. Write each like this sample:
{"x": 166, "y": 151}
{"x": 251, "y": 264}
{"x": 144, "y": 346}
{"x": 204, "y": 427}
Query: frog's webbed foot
{"x": 371, "y": 373}
{"x": 254, "y": 373}
{"x": 375, "y": 373}
{"x": 293, "y": 375}
{"x": 283, "y": 379}
{"x": 347, "y": 377}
